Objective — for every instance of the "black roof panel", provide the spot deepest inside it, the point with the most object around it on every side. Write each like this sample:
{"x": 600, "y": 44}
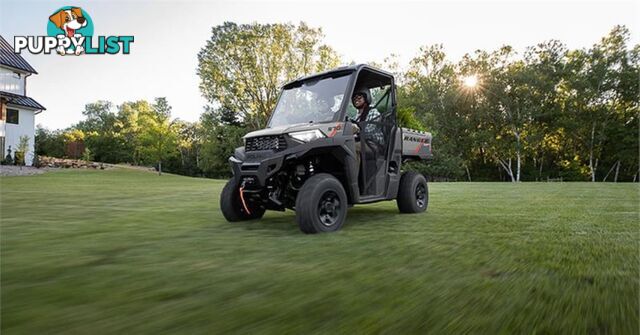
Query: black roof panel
{"x": 21, "y": 100}
{"x": 11, "y": 59}
{"x": 349, "y": 68}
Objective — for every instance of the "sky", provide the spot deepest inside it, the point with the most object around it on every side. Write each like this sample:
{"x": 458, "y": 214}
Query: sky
{"x": 169, "y": 34}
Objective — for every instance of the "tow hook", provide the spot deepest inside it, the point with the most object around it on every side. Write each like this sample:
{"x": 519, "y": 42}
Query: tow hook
{"x": 244, "y": 204}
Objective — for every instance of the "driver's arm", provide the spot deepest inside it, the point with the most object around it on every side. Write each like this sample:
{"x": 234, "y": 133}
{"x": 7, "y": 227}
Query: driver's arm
{"x": 354, "y": 127}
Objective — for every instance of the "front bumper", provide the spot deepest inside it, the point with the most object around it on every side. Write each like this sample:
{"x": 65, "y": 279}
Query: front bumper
{"x": 256, "y": 167}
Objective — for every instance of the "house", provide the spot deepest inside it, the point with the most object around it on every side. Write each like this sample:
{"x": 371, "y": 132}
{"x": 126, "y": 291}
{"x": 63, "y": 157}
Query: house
{"x": 18, "y": 111}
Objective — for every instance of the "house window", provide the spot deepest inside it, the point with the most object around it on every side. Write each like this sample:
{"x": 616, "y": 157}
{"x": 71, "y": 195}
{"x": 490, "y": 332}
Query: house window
{"x": 12, "y": 116}
{"x": 12, "y": 82}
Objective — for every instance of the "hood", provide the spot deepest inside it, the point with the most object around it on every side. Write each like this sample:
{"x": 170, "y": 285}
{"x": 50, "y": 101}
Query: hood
{"x": 323, "y": 127}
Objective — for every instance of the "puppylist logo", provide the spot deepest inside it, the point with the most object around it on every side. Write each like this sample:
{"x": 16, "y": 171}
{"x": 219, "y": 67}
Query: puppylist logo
{"x": 70, "y": 32}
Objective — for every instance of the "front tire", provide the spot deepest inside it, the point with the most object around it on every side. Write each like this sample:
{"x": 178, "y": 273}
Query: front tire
{"x": 413, "y": 193}
{"x": 231, "y": 205}
{"x": 321, "y": 204}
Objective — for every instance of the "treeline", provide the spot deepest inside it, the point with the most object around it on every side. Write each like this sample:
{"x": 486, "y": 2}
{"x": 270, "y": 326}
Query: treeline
{"x": 138, "y": 133}
{"x": 552, "y": 112}
{"x": 549, "y": 112}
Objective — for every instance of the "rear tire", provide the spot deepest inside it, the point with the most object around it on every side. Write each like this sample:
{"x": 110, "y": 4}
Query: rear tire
{"x": 231, "y": 205}
{"x": 321, "y": 204}
{"x": 413, "y": 193}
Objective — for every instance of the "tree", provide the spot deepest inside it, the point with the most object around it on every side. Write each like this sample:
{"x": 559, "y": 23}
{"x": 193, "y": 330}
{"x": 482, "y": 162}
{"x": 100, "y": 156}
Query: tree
{"x": 131, "y": 118}
{"x": 49, "y": 142}
{"x": 407, "y": 118}
{"x": 429, "y": 93}
{"x": 103, "y": 133}
{"x": 599, "y": 94}
{"x": 158, "y": 135}
{"x": 22, "y": 150}
{"x": 620, "y": 146}
{"x": 547, "y": 65}
{"x": 505, "y": 105}
{"x": 564, "y": 111}
{"x": 87, "y": 155}
{"x": 158, "y": 141}
{"x": 219, "y": 139}
{"x": 189, "y": 145}
{"x": 74, "y": 142}
{"x": 162, "y": 108}
{"x": 98, "y": 116}
{"x": 241, "y": 67}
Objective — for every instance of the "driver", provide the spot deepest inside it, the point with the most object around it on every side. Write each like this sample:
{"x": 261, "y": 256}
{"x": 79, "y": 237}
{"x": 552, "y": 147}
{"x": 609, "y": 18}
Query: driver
{"x": 361, "y": 101}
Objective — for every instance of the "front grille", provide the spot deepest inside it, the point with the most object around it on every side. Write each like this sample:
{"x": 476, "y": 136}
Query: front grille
{"x": 275, "y": 143}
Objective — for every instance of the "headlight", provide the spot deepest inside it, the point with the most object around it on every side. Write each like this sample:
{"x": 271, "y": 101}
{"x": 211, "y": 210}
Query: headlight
{"x": 307, "y": 135}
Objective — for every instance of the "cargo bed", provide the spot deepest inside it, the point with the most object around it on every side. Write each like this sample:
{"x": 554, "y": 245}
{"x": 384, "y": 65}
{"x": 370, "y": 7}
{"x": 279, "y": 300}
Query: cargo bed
{"x": 415, "y": 144}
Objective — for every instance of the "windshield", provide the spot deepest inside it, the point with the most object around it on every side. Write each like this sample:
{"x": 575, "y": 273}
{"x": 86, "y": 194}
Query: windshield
{"x": 316, "y": 100}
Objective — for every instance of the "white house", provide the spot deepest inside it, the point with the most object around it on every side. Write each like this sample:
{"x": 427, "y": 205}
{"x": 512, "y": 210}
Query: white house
{"x": 18, "y": 111}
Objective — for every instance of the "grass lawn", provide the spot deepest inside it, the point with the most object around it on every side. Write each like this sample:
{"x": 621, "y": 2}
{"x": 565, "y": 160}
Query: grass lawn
{"x": 123, "y": 252}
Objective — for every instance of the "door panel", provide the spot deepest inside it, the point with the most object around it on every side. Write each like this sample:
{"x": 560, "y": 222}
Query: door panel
{"x": 375, "y": 132}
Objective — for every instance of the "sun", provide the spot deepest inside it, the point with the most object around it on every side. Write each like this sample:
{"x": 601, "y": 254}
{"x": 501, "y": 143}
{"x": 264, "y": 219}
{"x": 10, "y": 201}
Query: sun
{"x": 470, "y": 81}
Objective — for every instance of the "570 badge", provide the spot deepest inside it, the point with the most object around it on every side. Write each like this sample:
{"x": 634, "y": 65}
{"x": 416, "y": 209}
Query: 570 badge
{"x": 70, "y": 32}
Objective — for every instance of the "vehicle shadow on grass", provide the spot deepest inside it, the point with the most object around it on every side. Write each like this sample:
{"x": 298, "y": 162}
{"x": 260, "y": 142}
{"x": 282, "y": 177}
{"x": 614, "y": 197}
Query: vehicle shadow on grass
{"x": 356, "y": 216}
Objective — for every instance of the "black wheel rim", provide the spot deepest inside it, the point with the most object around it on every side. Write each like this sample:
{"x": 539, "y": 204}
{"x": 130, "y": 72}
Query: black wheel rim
{"x": 421, "y": 195}
{"x": 329, "y": 208}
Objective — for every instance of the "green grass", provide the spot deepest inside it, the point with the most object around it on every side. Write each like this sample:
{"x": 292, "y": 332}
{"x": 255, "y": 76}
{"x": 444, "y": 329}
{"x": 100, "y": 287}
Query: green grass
{"x": 118, "y": 251}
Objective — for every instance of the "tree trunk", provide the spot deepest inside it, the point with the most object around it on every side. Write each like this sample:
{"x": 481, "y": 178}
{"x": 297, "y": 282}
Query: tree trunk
{"x": 507, "y": 168}
{"x": 518, "y": 161}
{"x": 518, "y": 166}
{"x": 615, "y": 178}
{"x": 136, "y": 157}
{"x": 611, "y": 169}
{"x": 511, "y": 172}
{"x": 540, "y": 172}
{"x": 468, "y": 173}
{"x": 159, "y": 168}
{"x": 592, "y": 169}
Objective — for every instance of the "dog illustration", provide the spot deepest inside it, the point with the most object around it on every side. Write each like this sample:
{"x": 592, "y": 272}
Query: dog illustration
{"x": 69, "y": 20}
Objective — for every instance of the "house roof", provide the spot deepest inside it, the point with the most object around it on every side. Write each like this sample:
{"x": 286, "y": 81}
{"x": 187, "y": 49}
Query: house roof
{"x": 21, "y": 100}
{"x": 11, "y": 59}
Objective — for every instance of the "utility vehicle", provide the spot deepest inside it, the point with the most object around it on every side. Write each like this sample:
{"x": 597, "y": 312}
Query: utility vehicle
{"x": 318, "y": 156}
